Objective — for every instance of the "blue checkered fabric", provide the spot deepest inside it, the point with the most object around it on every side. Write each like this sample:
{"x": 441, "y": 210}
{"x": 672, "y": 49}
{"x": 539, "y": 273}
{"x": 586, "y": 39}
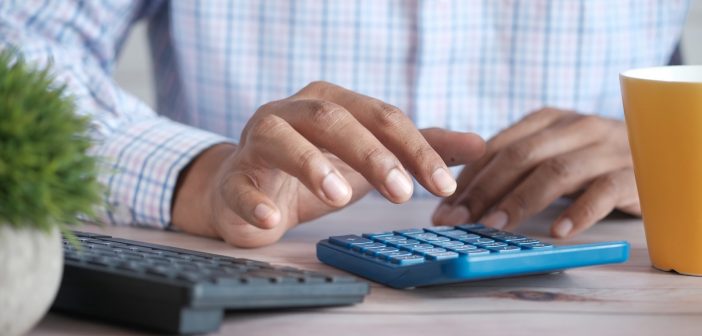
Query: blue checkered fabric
{"x": 468, "y": 65}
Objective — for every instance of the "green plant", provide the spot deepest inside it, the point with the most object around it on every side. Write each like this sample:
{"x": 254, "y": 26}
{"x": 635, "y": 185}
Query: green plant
{"x": 47, "y": 179}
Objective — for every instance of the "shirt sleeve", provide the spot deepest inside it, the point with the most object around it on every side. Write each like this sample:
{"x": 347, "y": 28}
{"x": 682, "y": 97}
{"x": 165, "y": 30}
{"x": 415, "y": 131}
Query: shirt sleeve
{"x": 142, "y": 152}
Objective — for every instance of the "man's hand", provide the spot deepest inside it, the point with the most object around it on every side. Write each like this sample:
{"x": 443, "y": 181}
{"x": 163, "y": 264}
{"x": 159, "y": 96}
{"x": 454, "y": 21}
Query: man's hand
{"x": 310, "y": 154}
{"x": 549, "y": 154}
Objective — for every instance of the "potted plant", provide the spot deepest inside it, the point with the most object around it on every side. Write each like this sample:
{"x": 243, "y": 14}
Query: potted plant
{"x": 47, "y": 180}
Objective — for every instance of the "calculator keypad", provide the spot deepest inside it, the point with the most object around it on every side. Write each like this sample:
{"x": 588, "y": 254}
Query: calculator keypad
{"x": 416, "y": 246}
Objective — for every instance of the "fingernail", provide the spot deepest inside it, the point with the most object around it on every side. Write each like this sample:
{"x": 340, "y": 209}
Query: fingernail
{"x": 496, "y": 220}
{"x": 459, "y": 215}
{"x": 398, "y": 185}
{"x": 441, "y": 214}
{"x": 262, "y": 212}
{"x": 443, "y": 180}
{"x": 563, "y": 228}
{"x": 334, "y": 188}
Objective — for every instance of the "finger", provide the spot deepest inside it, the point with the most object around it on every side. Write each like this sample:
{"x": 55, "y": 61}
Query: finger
{"x": 273, "y": 143}
{"x": 330, "y": 126}
{"x": 455, "y": 148}
{"x": 398, "y": 134}
{"x": 549, "y": 181}
{"x": 517, "y": 160}
{"x": 241, "y": 194}
{"x": 529, "y": 125}
{"x": 599, "y": 199}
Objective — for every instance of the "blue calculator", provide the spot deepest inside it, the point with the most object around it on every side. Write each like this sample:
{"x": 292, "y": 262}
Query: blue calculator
{"x": 449, "y": 254}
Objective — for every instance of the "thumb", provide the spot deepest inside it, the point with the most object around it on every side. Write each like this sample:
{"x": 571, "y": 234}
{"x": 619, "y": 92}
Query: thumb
{"x": 455, "y": 148}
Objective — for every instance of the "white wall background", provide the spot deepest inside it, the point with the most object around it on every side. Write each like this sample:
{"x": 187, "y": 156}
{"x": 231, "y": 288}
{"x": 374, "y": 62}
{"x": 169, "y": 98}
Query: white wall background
{"x": 134, "y": 67}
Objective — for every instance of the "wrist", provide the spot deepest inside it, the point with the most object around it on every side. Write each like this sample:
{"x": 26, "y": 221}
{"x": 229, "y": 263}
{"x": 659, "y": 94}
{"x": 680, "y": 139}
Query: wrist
{"x": 192, "y": 209}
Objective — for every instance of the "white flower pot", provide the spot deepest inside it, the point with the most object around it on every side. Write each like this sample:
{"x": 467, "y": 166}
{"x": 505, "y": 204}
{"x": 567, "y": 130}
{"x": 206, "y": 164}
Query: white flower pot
{"x": 31, "y": 265}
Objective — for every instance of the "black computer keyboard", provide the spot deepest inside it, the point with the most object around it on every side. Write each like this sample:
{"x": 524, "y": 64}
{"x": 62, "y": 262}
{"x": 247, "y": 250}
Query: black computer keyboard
{"x": 175, "y": 290}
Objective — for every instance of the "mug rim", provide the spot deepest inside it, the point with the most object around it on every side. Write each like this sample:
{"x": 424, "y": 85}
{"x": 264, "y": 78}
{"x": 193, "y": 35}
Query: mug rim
{"x": 691, "y": 74}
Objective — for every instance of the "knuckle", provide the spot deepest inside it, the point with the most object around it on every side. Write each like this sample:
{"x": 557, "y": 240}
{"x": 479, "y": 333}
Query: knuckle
{"x": 317, "y": 88}
{"x": 374, "y": 155}
{"x": 389, "y": 115}
{"x": 307, "y": 160}
{"x": 590, "y": 122}
{"x": 609, "y": 184}
{"x": 264, "y": 126}
{"x": 558, "y": 168}
{"x": 516, "y": 154}
{"x": 325, "y": 113}
{"x": 518, "y": 203}
{"x": 476, "y": 199}
{"x": 587, "y": 211}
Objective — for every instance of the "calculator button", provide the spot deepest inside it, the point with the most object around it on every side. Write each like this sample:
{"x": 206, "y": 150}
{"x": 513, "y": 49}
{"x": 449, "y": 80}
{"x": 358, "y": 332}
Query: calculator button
{"x": 407, "y": 260}
{"x": 528, "y": 241}
{"x": 388, "y": 239}
{"x": 407, "y": 242}
{"x": 475, "y": 252}
{"x": 431, "y": 251}
{"x": 420, "y": 247}
{"x": 471, "y": 227}
{"x": 452, "y": 233}
{"x": 513, "y": 238}
{"x": 462, "y": 247}
{"x": 440, "y": 229}
{"x": 349, "y": 240}
{"x": 377, "y": 234}
{"x": 409, "y": 231}
{"x": 442, "y": 255}
{"x": 375, "y": 252}
{"x": 365, "y": 247}
{"x": 469, "y": 237}
{"x": 495, "y": 244}
{"x": 483, "y": 241}
{"x": 424, "y": 235}
{"x": 433, "y": 240}
{"x": 390, "y": 254}
{"x": 448, "y": 243}
{"x": 503, "y": 249}
{"x": 536, "y": 246}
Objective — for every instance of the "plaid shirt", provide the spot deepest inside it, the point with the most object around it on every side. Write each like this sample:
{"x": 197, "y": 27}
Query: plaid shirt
{"x": 469, "y": 65}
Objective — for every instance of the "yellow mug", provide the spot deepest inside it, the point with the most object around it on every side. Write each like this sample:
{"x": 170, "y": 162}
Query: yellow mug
{"x": 663, "y": 110}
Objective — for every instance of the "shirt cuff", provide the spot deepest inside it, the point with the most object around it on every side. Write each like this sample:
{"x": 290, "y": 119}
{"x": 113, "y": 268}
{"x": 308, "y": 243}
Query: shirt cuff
{"x": 142, "y": 162}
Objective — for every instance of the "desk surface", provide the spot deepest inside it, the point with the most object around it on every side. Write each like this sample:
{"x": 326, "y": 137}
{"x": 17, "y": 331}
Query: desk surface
{"x": 621, "y": 299}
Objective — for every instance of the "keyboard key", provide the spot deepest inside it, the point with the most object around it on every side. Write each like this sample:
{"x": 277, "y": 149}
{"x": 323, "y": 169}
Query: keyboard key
{"x": 349, "y": 240}
{"x": 407, "y": 260}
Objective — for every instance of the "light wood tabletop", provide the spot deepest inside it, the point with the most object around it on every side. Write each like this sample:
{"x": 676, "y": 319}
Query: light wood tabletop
{"x": 623, "y": 299}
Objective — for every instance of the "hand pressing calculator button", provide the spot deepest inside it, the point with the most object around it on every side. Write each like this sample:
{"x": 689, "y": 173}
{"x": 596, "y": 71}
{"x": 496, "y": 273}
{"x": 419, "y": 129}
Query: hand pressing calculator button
{"x": 448, "y": 254}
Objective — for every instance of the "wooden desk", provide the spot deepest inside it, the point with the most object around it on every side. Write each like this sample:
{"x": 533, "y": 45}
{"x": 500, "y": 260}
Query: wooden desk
{"x": 625, "y": 299}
